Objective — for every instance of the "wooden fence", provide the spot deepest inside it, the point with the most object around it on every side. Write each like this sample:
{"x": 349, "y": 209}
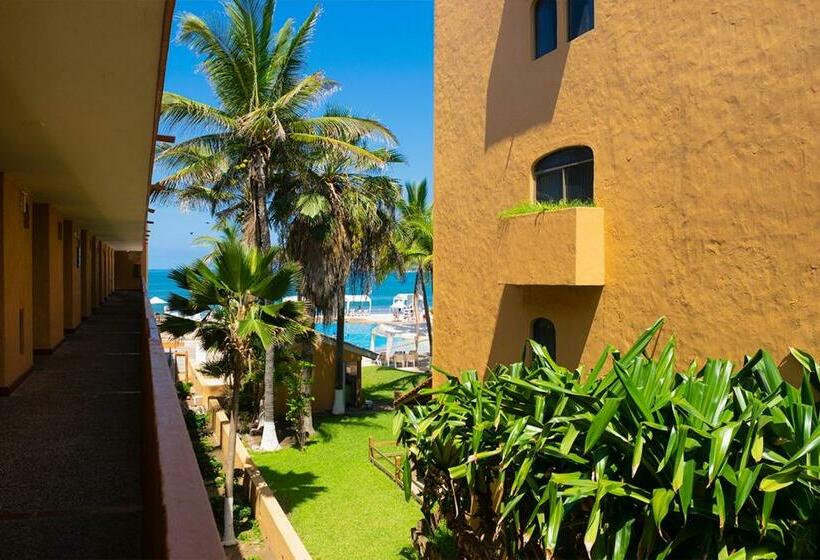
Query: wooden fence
{"x": 388, "y": 457}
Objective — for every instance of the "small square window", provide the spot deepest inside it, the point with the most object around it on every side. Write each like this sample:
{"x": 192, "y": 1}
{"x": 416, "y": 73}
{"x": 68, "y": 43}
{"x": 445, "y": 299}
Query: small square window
{"x": 581, "y": 17}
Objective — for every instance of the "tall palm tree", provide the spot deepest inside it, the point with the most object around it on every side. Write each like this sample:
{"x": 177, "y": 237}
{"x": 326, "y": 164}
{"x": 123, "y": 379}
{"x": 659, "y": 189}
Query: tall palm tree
{"x": 343, "y": 220}
{"x": 414, "y": 241}
{"x": 247, "y": 144}
{"x": 240, "y": 298}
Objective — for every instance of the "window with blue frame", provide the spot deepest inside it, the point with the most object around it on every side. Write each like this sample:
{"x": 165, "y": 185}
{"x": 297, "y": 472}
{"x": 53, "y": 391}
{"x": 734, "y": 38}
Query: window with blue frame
{"x": 581, "y": 17}
{"x": 546, "y": 27}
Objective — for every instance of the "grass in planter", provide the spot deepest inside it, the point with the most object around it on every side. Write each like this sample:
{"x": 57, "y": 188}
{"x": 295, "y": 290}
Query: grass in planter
{"x": 341, "y": 506}
{"x": 532, "y": 207}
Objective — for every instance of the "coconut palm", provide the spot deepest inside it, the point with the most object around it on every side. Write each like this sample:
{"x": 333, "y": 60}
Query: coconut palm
{"x": 342, "y": 219}
{"x": 240, "y": 299}
{"x": 414, "y": 241}
{"x": 249, "y": 142}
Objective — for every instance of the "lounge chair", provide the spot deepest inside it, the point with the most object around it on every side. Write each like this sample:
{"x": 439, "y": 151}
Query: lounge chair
{"x": 398, "y": 357}
{"x": 412, "y": 358}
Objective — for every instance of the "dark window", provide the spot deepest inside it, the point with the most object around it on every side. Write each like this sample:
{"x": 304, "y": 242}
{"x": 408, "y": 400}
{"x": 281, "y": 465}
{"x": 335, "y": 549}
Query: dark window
{"x": 581, "y": 17}
{"x": 546, "y": 27}
{"x": 565, "y": 175}
{"x": 543, "y": 332}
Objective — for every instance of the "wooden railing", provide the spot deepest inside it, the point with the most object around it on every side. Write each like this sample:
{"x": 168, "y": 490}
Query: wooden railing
{"x": 388, "y": 457}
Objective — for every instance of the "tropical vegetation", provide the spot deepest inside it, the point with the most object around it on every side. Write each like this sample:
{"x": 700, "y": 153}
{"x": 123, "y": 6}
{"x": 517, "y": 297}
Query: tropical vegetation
{"x": 414, "y": 244}
{"x": 631, "y": 459}
{"x": 263, "y": 139}
{"x": 341, "y": 506}
{"x": 237, "y": 297}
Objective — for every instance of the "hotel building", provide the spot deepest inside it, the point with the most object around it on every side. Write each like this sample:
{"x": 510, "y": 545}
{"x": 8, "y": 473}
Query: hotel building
{"x": 691, "y": 128}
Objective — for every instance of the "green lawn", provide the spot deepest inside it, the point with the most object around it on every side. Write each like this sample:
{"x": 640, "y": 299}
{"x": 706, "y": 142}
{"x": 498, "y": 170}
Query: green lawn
{"x": 340, "y": 505}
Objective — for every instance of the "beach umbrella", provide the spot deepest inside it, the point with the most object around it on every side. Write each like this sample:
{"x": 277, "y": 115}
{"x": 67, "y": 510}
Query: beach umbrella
{"x": 158, "y": 301}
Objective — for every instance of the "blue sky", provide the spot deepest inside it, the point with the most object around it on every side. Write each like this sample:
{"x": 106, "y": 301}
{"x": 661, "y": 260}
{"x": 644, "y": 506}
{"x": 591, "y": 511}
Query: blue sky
{"x": 381, "y": 54}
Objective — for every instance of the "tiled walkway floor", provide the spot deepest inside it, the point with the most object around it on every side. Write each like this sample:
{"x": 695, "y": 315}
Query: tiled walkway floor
{"x": 70, "y": 445}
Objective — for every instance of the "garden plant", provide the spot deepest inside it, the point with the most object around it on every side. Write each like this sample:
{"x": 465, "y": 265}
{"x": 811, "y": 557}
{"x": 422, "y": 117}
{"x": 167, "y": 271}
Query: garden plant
{"x": 631, "y": 459}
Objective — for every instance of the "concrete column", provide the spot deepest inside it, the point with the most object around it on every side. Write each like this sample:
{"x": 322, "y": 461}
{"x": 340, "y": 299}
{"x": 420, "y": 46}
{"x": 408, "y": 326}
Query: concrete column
{"x": 95, "y": 273}
{"x": 16, "y": 331}
{"x": 72, "y": 289}
{"x": 86, "y": 272}
{"x": 47, "y": 259}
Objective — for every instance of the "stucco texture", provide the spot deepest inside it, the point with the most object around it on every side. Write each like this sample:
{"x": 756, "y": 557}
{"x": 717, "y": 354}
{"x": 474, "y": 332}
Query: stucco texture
{"x": 703, "y": 120}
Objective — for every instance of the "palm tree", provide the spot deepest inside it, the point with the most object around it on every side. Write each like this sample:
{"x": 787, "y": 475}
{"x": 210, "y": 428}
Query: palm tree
{"x": 241, "y": 302}
{"x": 414, "y": 241}
{"x": 248, "y": 144}
{"x": 343, "y": 221}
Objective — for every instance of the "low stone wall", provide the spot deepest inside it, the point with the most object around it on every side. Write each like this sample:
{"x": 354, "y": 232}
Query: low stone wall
{"x": 274, "y": 523}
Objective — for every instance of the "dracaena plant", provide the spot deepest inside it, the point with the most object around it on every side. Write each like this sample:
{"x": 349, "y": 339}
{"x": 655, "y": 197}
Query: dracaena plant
{"x": 632, "y": 459}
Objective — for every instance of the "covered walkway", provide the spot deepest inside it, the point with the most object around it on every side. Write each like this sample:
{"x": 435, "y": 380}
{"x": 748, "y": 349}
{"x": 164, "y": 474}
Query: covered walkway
{"x": 70, "y": 444}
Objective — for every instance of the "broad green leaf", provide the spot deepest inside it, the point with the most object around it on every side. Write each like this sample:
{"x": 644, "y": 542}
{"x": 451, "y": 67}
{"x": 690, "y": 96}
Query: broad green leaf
{"x": 568, "y": 439}
{"x": 555, "y": 516}
{"x": 779, "y": 480}
{"x": 522, "y": 473}
{"x": 687, "y": 487}
{"x": 600, "y": 422}
{"x": 637, "y": 451}
{"x": 407, "y": 478}
{"x": 719, "y": 504}
{"x": 593, "y": 526}
{"x": 766, "y": 509}
{"x": 622, "y": 537}
{"x": 661, "y": 499}
{"x": 721, "y": 439}
{"x": 812, "y": 443}
{"x": 746, "y": 479}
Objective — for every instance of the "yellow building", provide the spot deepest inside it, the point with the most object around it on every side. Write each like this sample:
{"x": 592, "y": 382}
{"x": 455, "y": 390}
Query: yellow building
{"x": 94, "y": 454}
{"x": 694, "y": 128}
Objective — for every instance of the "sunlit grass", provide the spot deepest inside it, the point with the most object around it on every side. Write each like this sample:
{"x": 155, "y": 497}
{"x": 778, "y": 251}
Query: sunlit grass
{"x": 340, "y": 505}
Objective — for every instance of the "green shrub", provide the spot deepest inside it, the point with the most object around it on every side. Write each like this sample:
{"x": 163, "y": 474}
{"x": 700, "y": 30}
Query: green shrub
{"x": 641, "y": 461}
{"x": 183, "y": 389}
{"x": 533, "y": 207}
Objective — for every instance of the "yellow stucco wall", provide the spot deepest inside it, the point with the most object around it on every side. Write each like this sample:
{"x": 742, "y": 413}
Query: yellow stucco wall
{"x": 124, "y": 263}
{"x": 47, "y": 276}
{"x": 16, "y": 305}
{"x": 703, "y": 123}
{"x": 324, "y": 379}
{"x": 85, "y": 272}
{"x": 72, "y": 296}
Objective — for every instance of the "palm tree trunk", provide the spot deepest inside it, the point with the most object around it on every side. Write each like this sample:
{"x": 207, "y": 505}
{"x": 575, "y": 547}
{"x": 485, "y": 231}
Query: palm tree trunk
{"x": 339, "y": 394}
{"x": 426, "y": 311}
{"x": 270, "y": 441}
{"x": 307, "y": 386}
{"x": 228, "y": 537}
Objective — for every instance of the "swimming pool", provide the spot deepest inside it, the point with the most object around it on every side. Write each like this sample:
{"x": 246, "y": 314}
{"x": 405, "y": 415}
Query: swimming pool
{"x": 355, "y": 333}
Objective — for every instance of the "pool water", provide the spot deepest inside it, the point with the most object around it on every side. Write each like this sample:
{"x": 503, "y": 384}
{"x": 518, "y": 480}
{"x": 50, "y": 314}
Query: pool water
{"x": 355, "y": 333}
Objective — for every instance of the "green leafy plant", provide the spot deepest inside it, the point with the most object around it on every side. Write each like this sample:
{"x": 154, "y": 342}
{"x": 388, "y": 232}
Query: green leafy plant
{"x": 533, "y": 207}
{"x": 633, "y": 460}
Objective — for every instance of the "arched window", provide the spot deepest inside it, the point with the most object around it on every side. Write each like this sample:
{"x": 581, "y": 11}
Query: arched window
{"x": 543, "y": 332}
{"x": 564, "y": 175}
{"x": 581, "y": 17}
{"x": 545, "y": 19}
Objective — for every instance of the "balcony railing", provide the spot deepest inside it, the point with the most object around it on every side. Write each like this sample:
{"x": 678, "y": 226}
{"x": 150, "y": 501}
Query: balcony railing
{"x": 560, "y": 248}
{"x": 178, "y": 522}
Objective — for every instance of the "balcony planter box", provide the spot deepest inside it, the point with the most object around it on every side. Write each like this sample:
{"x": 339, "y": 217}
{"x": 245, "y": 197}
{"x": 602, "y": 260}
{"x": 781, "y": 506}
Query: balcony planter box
{"x": 559, "y": 248}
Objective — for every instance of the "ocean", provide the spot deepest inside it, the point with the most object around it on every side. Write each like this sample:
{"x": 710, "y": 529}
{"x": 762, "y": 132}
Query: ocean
{"x": 159, "y": 285}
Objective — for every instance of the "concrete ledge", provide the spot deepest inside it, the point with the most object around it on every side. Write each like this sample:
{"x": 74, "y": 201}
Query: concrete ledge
{"x": 282, "y": 538}
{"x": 560, "y": 248}
{"x": 178, "y": 519}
